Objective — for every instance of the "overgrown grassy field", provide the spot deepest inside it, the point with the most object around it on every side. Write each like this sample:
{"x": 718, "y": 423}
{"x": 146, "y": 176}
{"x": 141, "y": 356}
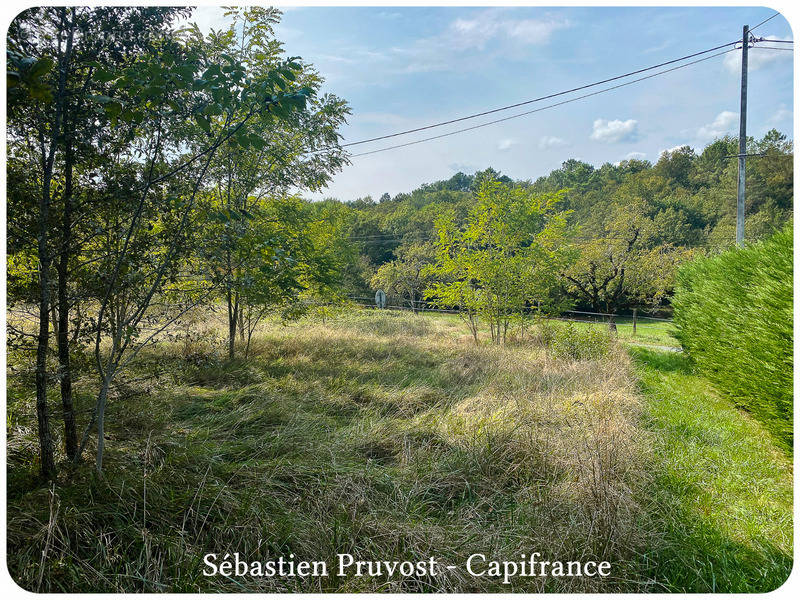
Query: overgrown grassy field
{"x": 649, "y": 332}
{"x": 391, "y": 437}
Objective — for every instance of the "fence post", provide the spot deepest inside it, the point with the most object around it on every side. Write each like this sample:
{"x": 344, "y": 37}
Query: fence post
{"x": 634, "y": 321}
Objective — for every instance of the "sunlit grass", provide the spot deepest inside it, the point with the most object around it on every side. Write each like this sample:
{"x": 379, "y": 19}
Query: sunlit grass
{"x": 722, "y": 490}
{"x": 381, "y": 435}
{"x": 392, "y": 436}
{"x": 649, "y": 331}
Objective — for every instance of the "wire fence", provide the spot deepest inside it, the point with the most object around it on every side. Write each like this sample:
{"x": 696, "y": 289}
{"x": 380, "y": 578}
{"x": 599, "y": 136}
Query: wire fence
{"x": 586, "y": 316}
{"x": 22, "y": 328}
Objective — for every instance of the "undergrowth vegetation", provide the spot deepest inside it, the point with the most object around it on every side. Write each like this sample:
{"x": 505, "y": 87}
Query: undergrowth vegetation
{"x": 394, "y": 437}
{"x": 734, "y": 318}
{"x": 380, "y": 435}
{"x": 566, "y": 340}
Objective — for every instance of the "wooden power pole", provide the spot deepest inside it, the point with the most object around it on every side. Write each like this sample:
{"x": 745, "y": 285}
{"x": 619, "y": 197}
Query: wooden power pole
{"x": 742, "y": 141}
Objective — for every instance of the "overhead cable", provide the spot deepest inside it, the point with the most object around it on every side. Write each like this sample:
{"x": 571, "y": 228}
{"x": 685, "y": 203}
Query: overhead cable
{"x": 515, "y": 116}
{"x": 539, "y": 99}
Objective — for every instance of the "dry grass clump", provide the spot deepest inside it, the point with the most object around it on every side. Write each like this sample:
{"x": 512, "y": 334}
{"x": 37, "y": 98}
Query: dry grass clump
{"x": 567, "y": 425}
{"x": 371, "y": 434}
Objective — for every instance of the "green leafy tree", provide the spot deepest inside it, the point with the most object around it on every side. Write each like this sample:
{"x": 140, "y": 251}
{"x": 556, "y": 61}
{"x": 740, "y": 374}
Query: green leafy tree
{"x": 280, "y": 254}
{"x": 502, "y": 259}
{"x": 176, "y": 108}
{"x": 269, "y": 155}
{"x": 623, "y": 268}
{"x": 407, "y": 276}
{"x": 58, "y": 62}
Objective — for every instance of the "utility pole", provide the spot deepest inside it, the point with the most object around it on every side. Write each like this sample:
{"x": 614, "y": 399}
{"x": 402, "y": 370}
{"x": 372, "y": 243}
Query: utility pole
{"x": 742, "y": 140}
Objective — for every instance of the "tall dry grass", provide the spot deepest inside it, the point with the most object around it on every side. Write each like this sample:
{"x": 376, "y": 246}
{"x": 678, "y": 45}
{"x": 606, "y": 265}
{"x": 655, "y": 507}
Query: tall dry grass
{"x": 385, "y": 436}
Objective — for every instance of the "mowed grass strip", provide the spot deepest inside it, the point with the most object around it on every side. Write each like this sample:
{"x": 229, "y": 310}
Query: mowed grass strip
{"x": 721, "y": 491}
{"x": 385, "y": 436}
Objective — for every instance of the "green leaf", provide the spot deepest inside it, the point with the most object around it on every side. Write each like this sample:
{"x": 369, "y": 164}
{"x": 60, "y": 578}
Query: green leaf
{"x": 103, "y": 76}
{"x": 203, "y": 122}
{"x": 212, "y": 109}
{"x": 242, "y": 138}
{"x": 40, "y": 92}
{"x": 113, "y": 109}
{"x": 153, "y": 91}
{"x": 185, "y": 72}
{"x": 40, "y": 67}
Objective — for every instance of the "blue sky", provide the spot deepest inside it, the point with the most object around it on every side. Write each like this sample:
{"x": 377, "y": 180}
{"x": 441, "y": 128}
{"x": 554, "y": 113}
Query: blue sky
{"x": 405, "y": 67}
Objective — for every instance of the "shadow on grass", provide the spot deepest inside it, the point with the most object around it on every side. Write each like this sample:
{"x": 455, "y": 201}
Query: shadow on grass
{"x": 664, "y": 362}
{"x": 712, "y": 534}
{"x": 695, "y": 556}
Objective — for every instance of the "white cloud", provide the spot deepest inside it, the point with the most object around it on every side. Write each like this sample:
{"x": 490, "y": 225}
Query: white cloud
{"x": 611, "y": 132}
{"x": 631, "y": 156}
{"x": 506, "y": 144}
{"x": 725, "y": 122}
{"x": 463, "y": 40}
{"x": 475, "y": 33}
{"x": 671, "y": 150}
{"x": 550, "y": 141}
{"x": 460, "y": 167}
{"x": 758, "y": 56}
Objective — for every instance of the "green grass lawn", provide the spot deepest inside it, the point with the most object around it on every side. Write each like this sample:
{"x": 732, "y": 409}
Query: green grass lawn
{"x": 648, "y": 333}
{"x": 721, "y": 489}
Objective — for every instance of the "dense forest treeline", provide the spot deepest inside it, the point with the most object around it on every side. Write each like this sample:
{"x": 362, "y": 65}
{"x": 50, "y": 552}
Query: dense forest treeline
{"x": 687, "y": 200}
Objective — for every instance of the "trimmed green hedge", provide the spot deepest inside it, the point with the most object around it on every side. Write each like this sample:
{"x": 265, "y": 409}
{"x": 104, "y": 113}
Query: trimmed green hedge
{"x": 733, "y": 314}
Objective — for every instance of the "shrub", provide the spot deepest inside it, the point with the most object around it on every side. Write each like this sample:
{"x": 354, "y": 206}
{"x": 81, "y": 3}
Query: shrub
{"x": 733, "y": 314}
{"x": 568, "y": 341}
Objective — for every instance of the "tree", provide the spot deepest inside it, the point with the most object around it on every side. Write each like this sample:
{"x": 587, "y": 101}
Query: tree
{"x": 279, "y": 255}
{"x": 408, "y": 275}
{"x": 55, "y": 131}
{"x": 506, "y": 255}
{"x": 622, "y": 267}
{"x": 676, "y": 165}
{"x": 300, "y": 150}
{"x": 177, "y": 107}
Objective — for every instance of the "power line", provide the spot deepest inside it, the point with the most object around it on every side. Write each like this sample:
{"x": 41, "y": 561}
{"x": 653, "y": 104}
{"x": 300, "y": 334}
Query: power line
{"x": 539, "y": 99}
{"x": 755, "y": 40}
{"x": 604, "y": 90}
{"x": 765, "y": 20}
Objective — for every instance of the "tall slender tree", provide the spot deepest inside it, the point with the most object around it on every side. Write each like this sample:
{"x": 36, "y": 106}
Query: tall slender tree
{"x": 56, "y": 54}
